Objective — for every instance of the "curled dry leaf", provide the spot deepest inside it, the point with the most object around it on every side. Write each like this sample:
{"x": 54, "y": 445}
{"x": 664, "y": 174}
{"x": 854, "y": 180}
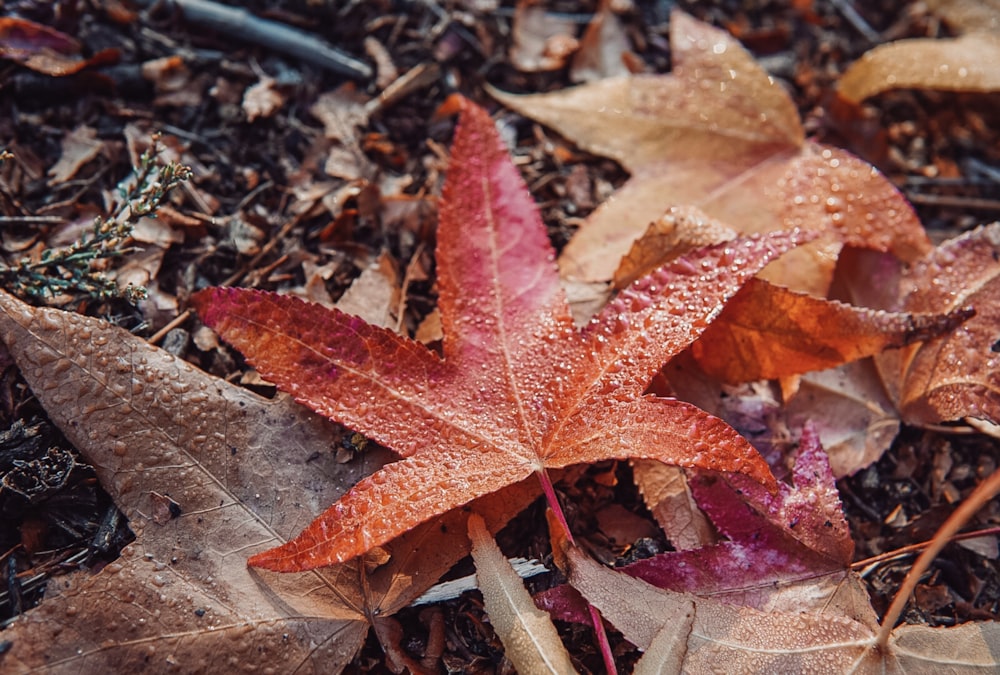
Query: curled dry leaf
{"x": 720, "y": 134}
{"x": 244, "y": 472}
{"x": 519, "y": 389}
{"x": 965, "y": 63}
{"x": 529, "y": 637}
{"x": 956, "y": 375}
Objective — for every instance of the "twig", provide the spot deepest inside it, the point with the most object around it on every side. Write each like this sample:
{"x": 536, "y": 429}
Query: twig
{"x": 956, "y": 201}
{"x": 913, "y": 548}
{"x": 984, "y": 492}
{"x": 856, "y": 20}
{"x": 279, "y": 37}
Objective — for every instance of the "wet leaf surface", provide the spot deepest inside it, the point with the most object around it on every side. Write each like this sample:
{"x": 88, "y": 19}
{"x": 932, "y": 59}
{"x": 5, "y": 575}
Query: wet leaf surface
{"x": 519, "y": 388}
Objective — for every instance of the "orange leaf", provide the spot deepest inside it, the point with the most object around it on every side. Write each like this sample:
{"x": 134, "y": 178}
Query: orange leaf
{"x": 720, "y": 134}
{"x": 767, "y": 332}
{"x": 519, "y": 389}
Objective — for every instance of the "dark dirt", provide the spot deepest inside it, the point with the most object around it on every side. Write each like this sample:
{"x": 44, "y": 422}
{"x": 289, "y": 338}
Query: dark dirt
{"x": 940, "y": 149}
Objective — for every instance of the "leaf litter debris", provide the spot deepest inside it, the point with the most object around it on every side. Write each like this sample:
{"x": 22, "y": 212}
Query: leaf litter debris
{"x": 929, "y": 385}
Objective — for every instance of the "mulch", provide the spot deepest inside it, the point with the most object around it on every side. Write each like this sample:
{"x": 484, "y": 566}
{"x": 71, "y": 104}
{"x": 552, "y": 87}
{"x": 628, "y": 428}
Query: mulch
{"x": 240, "y": 221}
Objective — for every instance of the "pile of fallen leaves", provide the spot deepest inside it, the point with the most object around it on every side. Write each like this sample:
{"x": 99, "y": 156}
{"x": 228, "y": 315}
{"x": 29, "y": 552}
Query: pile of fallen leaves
{"x": 748, "y": 318}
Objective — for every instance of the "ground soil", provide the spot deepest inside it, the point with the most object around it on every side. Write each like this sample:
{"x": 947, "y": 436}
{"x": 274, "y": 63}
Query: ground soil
{"x": 240, "y": 223}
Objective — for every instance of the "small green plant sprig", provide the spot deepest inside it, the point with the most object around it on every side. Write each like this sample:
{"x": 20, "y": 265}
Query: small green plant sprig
{"x": 75, "y": 269}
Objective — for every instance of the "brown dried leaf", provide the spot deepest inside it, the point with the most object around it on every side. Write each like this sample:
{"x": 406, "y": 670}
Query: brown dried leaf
{"x": 956, "y": 375}
{"x": 543, "y": 40}
{"x": 602, "y": 48}
{"x": 78, "y": 147}
{"x": 668, "y": 497}
{"x": 245, "y": 473}
{"x": 753, "y": 641}
{"x": 263, "y": 99}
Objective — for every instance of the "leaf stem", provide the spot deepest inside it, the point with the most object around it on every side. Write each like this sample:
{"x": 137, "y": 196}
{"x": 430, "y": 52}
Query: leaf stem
{"x": 595, "y": 614}
{"x": 984, "y": 492}
{"x": 550, "y": 497}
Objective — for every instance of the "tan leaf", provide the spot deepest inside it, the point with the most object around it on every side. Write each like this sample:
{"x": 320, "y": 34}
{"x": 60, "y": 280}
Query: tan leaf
{"x": 680, "y": 230}
{"x": 542, "y": 40}
{"x": 602, "y": 48}
{"x": 78, "y": 147}
{"x": 855, "y": 419}
{"x": 667, "y": 496}
{"x": 753, "y": 641}
{"x": 720, "y": 134}
{"x": 263, "y": 99}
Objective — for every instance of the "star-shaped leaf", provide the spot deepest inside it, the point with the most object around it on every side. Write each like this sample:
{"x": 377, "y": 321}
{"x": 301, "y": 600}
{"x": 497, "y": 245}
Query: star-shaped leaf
{"x": 518, "y": 390}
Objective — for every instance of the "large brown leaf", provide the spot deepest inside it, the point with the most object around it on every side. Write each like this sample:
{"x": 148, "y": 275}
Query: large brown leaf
{"x": 720, "y": 134}
{"x": 246, "y": 473}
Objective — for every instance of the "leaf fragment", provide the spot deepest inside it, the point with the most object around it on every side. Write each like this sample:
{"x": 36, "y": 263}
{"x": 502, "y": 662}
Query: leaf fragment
{"x": 529, "y": 637}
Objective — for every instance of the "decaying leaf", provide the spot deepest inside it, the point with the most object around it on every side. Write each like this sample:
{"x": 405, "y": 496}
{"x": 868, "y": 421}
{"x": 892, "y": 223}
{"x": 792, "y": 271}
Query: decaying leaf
{"x": 519, "y": 388}
{"x": 46, "y": 50}
{"x": 720, "y": 134}
{"x": 854, "y": 417}
{"x": 530, "y": 639}
{"x": 752, "y": 641}
{"x": 245, "y": 473}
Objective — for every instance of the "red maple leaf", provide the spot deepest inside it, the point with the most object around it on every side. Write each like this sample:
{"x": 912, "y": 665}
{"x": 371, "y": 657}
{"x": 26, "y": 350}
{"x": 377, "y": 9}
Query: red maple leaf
{"x": 519, "y": 388}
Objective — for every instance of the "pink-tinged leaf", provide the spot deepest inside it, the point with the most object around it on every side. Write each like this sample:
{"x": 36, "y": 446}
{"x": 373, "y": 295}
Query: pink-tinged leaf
{"x": 798, "y": 533}
{"x": 720, "y": 134}
{"x": 519, "y": 389}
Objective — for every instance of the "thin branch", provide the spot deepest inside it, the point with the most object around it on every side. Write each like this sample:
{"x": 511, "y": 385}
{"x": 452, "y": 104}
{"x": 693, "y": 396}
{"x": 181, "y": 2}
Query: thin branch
{"x": 242, "y": 24}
